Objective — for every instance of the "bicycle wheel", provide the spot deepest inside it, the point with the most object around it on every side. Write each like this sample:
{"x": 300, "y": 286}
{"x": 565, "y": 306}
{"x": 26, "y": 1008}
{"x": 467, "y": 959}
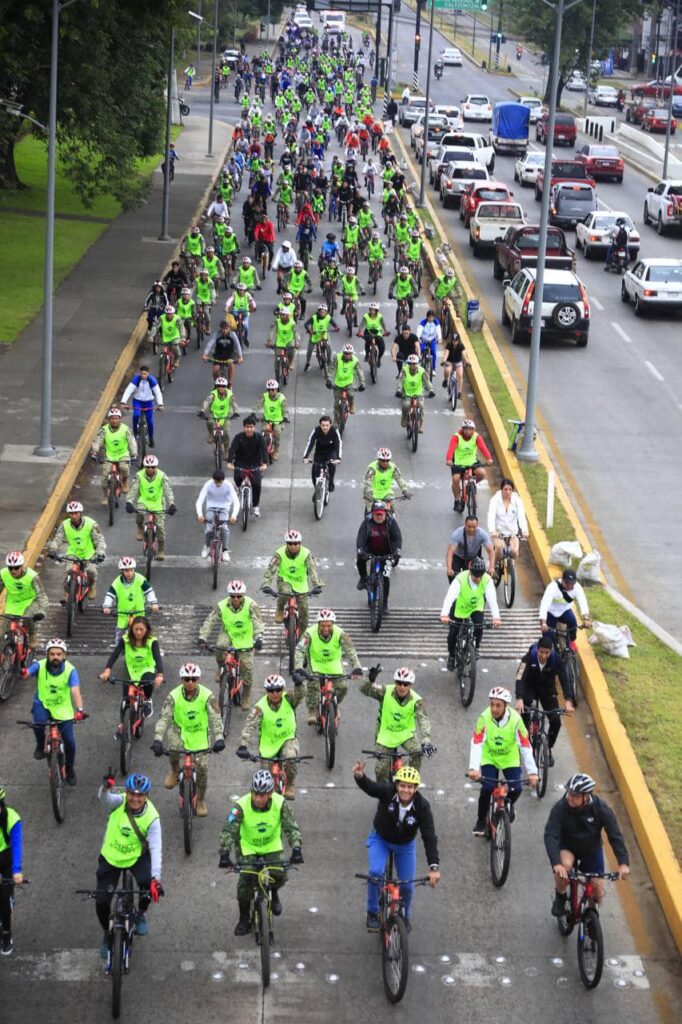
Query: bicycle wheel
{"x": 224, "y": 702}
{"x": 263, "y": 932}
{"x": 142, "y": 438}
{"x": 565, "y": 922}
{"x": 162, "y": 370}
{"x": 590, "y": 948}
{"x": 571, "y": 674}
{"x": 318, "y": 499}
{"x": 70, "y": 604}
{"x": 372, "y": 365}
{"x": 292, "y": 640}
{"x": 186, "y": 798}
{"x": 54, "y": 772}
{"x": 111, "y": 498}
{"x": 395, "y": 960}
{"x": 471, "y": 497}
{"x": 148, "y": 555}
{"x": 343, "y": 418}
{"x": 452, "y": 390}
{"x": 500, "y": 848}
{"x": 541, "y": 754}
{"x": 330, "y": 735}
{"x": 414, "y": 431}
{"x": 218, "y": 453}
{"x": 509, "y": 581}
{"x": 7, "y": 673}
{"x": 246, "y": 507}
{"x": 375, "y": 595}
{"x": 216, "y": 553}
{"x": 467, "y": 674}
{"x": 126, "y": 740}
{"x": 117, "y": 957}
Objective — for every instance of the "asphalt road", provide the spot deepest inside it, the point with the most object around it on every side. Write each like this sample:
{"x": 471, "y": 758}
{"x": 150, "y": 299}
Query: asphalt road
{"x": 469, "y": 940}
{"x": 610, "y": 414}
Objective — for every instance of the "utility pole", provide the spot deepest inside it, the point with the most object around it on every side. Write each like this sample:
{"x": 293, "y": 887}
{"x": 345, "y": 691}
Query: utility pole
{"x": 422, "y": 181}
{"x": 199, "y": 41}
{"x": 417, "y": 44}
{"x": 377, "y": 42}
{"x": 674, "y": 28}
{"x": 164, "y": 236}
{"x": 213, "y": 88}
{"x": 589, "y": 57}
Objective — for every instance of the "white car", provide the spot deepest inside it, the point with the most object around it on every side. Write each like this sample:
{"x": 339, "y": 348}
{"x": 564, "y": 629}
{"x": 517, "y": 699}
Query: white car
{"x": 492, "y": 221}
{"x": 526, "y": 167}
{"x": 534, "y": 105}
{"x": 417, "y": 129}
{"x": 576, "y": 82}
{"x": 603, "y": 96}
{"x": 565, "y": 306}
{"x": 303, "y": 20}
{"x": 477, "y": 107}
{"x": 593, "y": 235}
{"x": 653, "y": 284}
{"x": 452, "y": 113}
{"x": 480, "y": 145}
{"x": 456, "y": 177}
{"x": 443, "y": 156}
{"x": 451, "y": 56}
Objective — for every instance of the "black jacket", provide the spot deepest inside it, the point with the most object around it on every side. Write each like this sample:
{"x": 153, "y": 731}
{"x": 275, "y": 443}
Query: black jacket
{"x": 327, "y": 446}
{"x": 395, "y": 538}
{"x": 580, "y": 831}
{"x": 248, "y": 452}
{"x": 386, "y": 820}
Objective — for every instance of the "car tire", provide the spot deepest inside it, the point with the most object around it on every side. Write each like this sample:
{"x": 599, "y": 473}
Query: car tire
{"x": 581, "y": 342}
{"x": 639, "y": 307}
{"x": 538, "y": 194}
{"x": 516, "y": 175}
{"x": 660, "y": 226}
{"x": 498, "y": 269}
{"x": 645, "y": 215}
{"x": 491, "y": 166}
{"x": 517, "y": 333}
{"x": 624, "y": 297}
{"x": 505, "y": 316}
{"x": 565, "y": 315}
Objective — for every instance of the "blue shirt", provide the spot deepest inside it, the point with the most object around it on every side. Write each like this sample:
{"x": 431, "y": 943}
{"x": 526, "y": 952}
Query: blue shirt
{"x": 15, "y": 845}
{"x": 74, "y": 679}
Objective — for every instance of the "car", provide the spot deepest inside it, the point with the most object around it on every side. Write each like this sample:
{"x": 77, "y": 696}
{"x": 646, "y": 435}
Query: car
{"x": 334, "y": 20}
{"x": 569, "y": 203}
{"x": 592, "y": 234}
{"x": 653, "y": 283}
{"x": 231, "y": 57}
{"x": 565, "y": 129}
{"x": 417, "y": 128}
{"x": 453, "y": 114}
{"x": 303, "y": 20}
{"x": 444, "y": 156}
{"x": 477, "y": 107}
{"x": 656, "y": 120}
{"x": 576, "y": 82}
{"x": 526, "y": 167}
{"x": 534, "y": 105}
{"x": 603, "y": 96}
{"x": 635, "y": 111}
{"x": 601, "y": 162}
{"x": 571, "y": 171}
{"x": 565, "y": 306}
{"x": 663, "y": 205}
{"x": 439, "y": 135}
{"x": 481, "y": 192}
{"x": 490, "y": 222}
{"x": 409, "y": 112}
{"x": 480, "y": 145}
{"x": 456, "y": 178}
{"x": 451, "y": 56}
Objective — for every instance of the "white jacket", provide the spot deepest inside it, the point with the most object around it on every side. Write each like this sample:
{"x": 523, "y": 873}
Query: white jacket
{"x": 507, "y": 522}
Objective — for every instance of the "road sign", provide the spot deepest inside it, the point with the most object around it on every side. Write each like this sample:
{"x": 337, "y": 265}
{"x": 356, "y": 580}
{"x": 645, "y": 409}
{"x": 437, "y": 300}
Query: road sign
{"x": 462, "y": 5}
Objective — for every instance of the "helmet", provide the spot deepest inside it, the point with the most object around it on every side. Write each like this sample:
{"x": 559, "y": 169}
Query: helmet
{"x": 379, "y": 506}
{"x": 272, "y": 385}
{"x": 246, "y": 262}
{"x": 186, "y": 291}
{"x": 262, "y": 781}
{"x": 158, "y": 284}
{"x": 274, "y": 683}
{"x": 449, "y": 272}
{"x": 500, "y": 693}
{"x": 210, "y": 248}
{"x": 287, "y": 297}
{"x": 404, "y": 270}
{"x": 190, "y": 671}
{"x": 195, "y": 231}
{"x": 323, "y": 307}
{"x": 236, "y": 588}
{"x": 241, "y": 287}
{"x": 221, "y": 382}
{"x": 352, "y": 220}
{"x": 169, "y": 309}
{"x": 348, "y": 348}
{"x": 375, "y": 235}
{"x": 127, "y": 563}
{"x": 477, "y": 567}
{"x": 414, "y": 233}
{"x": 292, "y": 537}
{"x": 114, "y": 411}
{"x": 350, "y": 270}
{"x": 14, "y": 559}
{"x": 373, "y": 305}
{"x": 203, "y": 272}
{"x": 468, "y": 425}
{"x": 408, "y": 774}
{"x": 74, "y": 506}
{"x": 137, "y": 783}
{"x": 297, "y": 264}
{"x": 56, "y": 642}
{"x": 150, "y": 462}
{"x": 384, "y": 454}
{"x": 326, "y": 615}
{"x": 286, "y": 245}
{"x": 403, "y": 675}
{"x": 221, "y": 220}
{"x": 580, "y": 783}
{"x": 413, "y": 359}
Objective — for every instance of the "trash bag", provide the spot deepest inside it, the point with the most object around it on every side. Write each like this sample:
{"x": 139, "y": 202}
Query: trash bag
{"x": 564, "y": 551}
{"x": 588, "y": 569}
{"x": 615, "y": 640}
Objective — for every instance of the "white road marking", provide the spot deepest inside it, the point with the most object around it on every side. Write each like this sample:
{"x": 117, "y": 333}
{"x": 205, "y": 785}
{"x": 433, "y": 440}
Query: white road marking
{"x": 619, "y": 330}
{"x": 597, "y": 304}
{"x": 653, "y": 371}
{"x": 304, "y": 483}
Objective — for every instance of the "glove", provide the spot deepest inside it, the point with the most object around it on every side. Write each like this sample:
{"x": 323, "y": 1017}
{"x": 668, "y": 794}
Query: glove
{"x": 80, "y": 715}
{"x": 270, "y": 591}
{"x": 172, "y": 509}
{"x": 157, "y": 748}
{"x": 258, "y": 643}
{"x": 428, "y": 749}
{"x": 431, "y": 394}
{"x": 156, "y": 890}
{"x": 298, "y": 676}
{"x": 99, "y": 558}
{"x": 201, "y": 642}
{"x": 373, "y": 673}
{"x": 398, "y": 394}
{"x": 356, "y": 673}
{"x": 328, "y": 384}
{"x": 316, "y": 590}
{"x": 108, "y": 780}
{"x": 243, "y": 752}
{"x": 296, "y": 855}
{"x": 361, "y": 387}
{"x": 24, "y": 673}
{"x": 225, "y": 860}
{"x": 129, "y": 507}
{"x": 218, "y": 746}
{"x": 395, "y": 560}
{"x": 39, "y": 617}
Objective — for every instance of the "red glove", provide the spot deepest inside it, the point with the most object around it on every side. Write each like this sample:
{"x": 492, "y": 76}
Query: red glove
{"x": 109, "y": 781}
{"x": 156, "y": 890}
{"x": 80, "y": 715}
{"x": 24, "y": 673}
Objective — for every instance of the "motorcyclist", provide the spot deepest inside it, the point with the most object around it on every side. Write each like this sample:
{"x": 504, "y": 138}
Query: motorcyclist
{"x": 618, "y": 239}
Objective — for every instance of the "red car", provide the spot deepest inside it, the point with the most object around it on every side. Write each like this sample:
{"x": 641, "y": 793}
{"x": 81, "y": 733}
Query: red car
{"x": 565, "y": 130}
{"x": 601, "y": 161}
{"x": 479, "y": 192}
{"x": 635, "y": 111}
{"x": 657, "y": 89}
{"x": 656, "y": 120}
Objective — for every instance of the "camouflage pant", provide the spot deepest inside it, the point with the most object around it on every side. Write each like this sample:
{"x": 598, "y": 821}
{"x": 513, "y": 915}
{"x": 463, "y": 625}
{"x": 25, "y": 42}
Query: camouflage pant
{"x": 337, "y": 403}
{"x": 91, "y": 570}
{"x": 290, "y": 748}
{"x": 313, "y": 691}
{"x": 160, "y": 521}
{"x": 124, "y": 470}
{"x": 248, "y": 882}
{"x": 210, "y": 427}
{"x": 302, "y": 601}
{"x": 405, "y": 411}
{"x": 412, "y": 745}
{"x": 245, "y": 661}
{"x": 174, "y": 742}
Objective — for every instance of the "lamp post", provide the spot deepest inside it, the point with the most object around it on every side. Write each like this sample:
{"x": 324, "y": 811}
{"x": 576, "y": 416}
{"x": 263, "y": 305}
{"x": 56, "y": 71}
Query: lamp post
{"x": 674, "y": 29}
{"x": 164, "y": 236}
{"x": 213, "y": 63}
{"x": 422, "y": 181}
{"x": 589, "y": 57}
{"x": 200, "y": 20}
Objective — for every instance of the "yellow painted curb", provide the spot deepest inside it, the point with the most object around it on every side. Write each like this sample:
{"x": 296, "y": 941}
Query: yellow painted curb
{"x": 646, "y": 821}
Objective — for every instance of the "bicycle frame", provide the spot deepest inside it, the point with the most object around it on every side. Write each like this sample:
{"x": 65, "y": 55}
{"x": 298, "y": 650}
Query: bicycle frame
{"x": 17, "y": 633}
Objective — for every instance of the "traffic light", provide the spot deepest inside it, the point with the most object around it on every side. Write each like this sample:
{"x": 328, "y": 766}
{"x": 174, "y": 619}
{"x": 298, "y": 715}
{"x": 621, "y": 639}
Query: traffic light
{"x": 484, "y": 6}
{"x": 417, "y": 40}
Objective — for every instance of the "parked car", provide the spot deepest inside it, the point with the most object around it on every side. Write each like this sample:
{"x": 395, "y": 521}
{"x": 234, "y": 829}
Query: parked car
{"x": 481, "y": 192}
{"x": 569, "y": 204}
{"x": 451, "y": 56}
{"x": 409, "y": 112}
{"x": 663, "y": 205}
{"x": 603, "y": 96}
{"x": 656, "y": 120}
{"x": 565, "y": 306}
{"x": 534, "y": 106}
{"x": 576, "y": 82}
{"x": 456, "y": 178}
{"x": 526, "y": 167}
{"x": 443, "y": 157}
{"x": 593, "y": 234}
{"x": 520, "y": 247}
{"x": 565, "y": 130}
{"x": 653, "y": 284}
{"x": 658, "y": 90}
{"x": 601, "y": 162}
{"x": 477, "y": 107}
{"x": 490, "y": 222}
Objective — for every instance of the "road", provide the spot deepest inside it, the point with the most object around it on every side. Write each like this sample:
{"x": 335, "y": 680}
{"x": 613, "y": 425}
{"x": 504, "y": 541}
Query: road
{"x": 611, "y": 415}
{"x": 463, "y": 949}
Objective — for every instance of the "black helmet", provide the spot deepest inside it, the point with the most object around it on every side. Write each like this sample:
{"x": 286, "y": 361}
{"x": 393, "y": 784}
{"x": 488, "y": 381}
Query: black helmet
{"x": 477, "y": 567}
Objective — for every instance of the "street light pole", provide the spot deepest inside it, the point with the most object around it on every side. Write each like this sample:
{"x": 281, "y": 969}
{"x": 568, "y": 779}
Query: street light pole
{"x": 417, "y": 44}
{"x": 589, "y": 57}
{"x": 164, "y": 236}
{"x": 422, "y": 181}
{"x": 213, "y": 63}
{"x": 199, "y": 40}
{"x": 674, "y": 28}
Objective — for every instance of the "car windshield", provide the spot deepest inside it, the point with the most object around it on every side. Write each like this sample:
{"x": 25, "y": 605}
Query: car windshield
{"x": 568, "y": 292}
{"x": 535, "y": 158}
{"x": 531, "y": 240}
{"x": 660, "y": 115}
{"x": 496, "y": 210}
{"x": 568, "y": 170}
{"x": 490, "y": 193}
{"x": 599, "y": 151}
{"x": 564, "y": 119}
{"x": 470, "y": 173}
{"x": 607, "y": 220}
{"x": 418, "y": 102}
{"x": 669, "y": 275}
{"x": 575, "y": 195}
{"x": 480, "y": 101}
{"x": 531, "y": 103}
{"x": 460, "y": 157}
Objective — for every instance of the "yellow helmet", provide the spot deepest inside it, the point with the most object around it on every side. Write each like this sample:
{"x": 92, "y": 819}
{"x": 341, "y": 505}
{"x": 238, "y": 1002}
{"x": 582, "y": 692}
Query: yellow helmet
{"x": 408, "y": 774}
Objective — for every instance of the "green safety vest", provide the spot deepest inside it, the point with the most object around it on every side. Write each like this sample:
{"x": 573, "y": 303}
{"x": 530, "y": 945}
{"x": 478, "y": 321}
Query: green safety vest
{"x": 194, "y": 244}
{"x": 261, "y": 831}
{"x": 273, "y": 408}
{"x": 382, "y": 481}
{"x": 374, "y": 323}
{"x": 277, "y": 726}
{"x": 212, "y": 265}
{"x": 465, "y": 452}
{"x": 413, "y": 383}
{"x": 20, "y": 592}
{"x": 297, "y": 281}
{"x": 286, "y": 307}
{"x": 349, "y": 286}
{"x": 414, "y": 250}
{"x": 375, "y": 252}
{"x": 319, "y": 327}
{"x": 365, "y": 219}
{"x": 121, "y": 847}
{"x": 12, "y": 819}
{"x": 191, "y": 717}
{"x": 247, "y": 276}
{"x": 116, "y": 443}
{"x": 345, "y": 372}
{"x": 325, "y": 656}
{"x": 230, "y": 243}
{"x": 444, "y": 287}
{"x": 396, "y": 721}
{"x": 285, "y": 334}
{"x": 294, "y": 571}
{"x": 54, "y": 692}
{"x": 241, "y": 303}
{"x": 171, "y": 330}
{"x": 500, "y": 747}
{"x": 139, "y": 660}
{"x": 402, "y": 234}
{"x": 130, "y": 598}
{"x": 237, "y": 624}
{"x": 79, "y": 543}
{"x": 220, "y": 407}
{"x": 470, "y": 600}
{"x": 204, "y": 291}
{"x": 351, "y": 236}
{"x": 403, "y": 287}
{"x": 185, "y": 309}
{"x": 151, "y": 491}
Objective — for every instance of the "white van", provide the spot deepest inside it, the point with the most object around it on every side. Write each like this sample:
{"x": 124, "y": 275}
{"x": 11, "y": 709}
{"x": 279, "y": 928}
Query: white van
{"x": 335, "y": 21}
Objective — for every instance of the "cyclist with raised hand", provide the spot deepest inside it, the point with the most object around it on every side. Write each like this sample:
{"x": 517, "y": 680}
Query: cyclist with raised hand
{"x": 507, "y": 518}
{"x": 189, "y": 720}
{"x": 241, "y": 303}
{"x": 573, "y": 838}
{"x": 151, "y": 491}
{"x": 218, "y": 408}
{"x": 79, "y": 538}
{"x": 430, "y": 336}
{"x": 322, "y": 648}
{"x": 536, "y": 680}
{"x": 326, "y": 447}
{"x": 248, "y": 453}
{"x": 246, "y": 274}
{"x": 119, "y": 445}
{"x": 413, "y": 381}
{"x": 380, "y": 476}
{"x": 401, "y": 812}
{"x": 466, "y": 449}
{"x": 132, "y": 841}
{"x": 318, "y": 326}
{"x": 379, "y": 534}
{"x": 344, "y": 373}
{"x": 217, "y": 499}
{"x": 272, "y": 407}
{"x": 240, "y": 623}
{"x": 402, "y": 720}
{"x": 465, "y": 544}
{"x": 26, "y": 595}
{"x": 11, "y": 874}
{"x": 374, "y": 326}
{"x": 404, "y": 287}
{"x": 145, "y": 391}
{"x": 272, "y": 721}
{"x": 556, "y": 602}
{"x": 57, "y": 697}
{"x": 254, "y": 826}
{"x": 142, "y": 657}
{"x": 223, "y": 350}
{"x": 130, "y": 593}
{"x": 294, "y": 568}
{"x": 469, "y": 591}
{"x": 205, "y": 293}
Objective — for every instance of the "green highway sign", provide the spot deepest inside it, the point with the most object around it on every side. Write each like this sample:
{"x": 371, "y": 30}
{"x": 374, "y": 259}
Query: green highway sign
{"x": 462, "y": 5}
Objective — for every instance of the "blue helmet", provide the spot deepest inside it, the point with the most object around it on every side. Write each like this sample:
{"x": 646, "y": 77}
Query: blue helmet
{"x": 137, "y": 783}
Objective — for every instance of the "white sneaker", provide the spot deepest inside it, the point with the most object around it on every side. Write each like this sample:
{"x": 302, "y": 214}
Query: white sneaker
{"x": 226, "y": 556}
{"x": 205, "y": 551}
{"x": 256, "y": 511}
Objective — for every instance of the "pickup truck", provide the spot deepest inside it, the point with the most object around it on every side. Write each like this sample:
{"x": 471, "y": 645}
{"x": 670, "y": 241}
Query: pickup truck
{"x": 563, "y": 170}
{"x": 663, "y": 205}
{"x": 490, "y": 222}
{"x": 520, "y": 248}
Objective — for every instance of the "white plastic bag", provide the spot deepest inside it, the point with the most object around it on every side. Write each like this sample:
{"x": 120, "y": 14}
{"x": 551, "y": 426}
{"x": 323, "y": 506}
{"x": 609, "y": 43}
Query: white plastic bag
{"x": 614, "y": 639}
{"x": 588, "y": 570}
{"x": 564, "y": 551}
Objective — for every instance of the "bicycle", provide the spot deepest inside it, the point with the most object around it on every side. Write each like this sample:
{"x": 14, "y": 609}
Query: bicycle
{"x": 215, "y": 547}
{"x": 498, "y": 829}
{"x": 453, "y": 389}
{"x": 344, "y": 411}
{"x": 150, "y": 539}
{"x": 166, "y": 365}
{"x": 114, "y": 486}
{"x": 465, "y": 659}
{"x": 426, "y": 361}
{"x": 369, "y": 178}
{"x": 282, "y": 216}
{"x": 323, "y": 354}
{"x": 260, "y": 909}
{"x": 415, "y": 418}
{"x": 329, "y": 295}
{"x": 372, "y": 356}
{"x": 292, "y": 632}
{"x": 321, "y": 493}
{"x": 76, "y": 585}
{"x": 569, "y": 670}
{"x": 187, "y": 792}
{"x": 327, "y": 713}
{"x": 142, "y": 438}
{"x": 56, "y": 761}
{"x": 219, "y": 453}
{"x": 380, "y": 570}
{"x": 350, "y": 315}
{"x": 469, "y": 488}
{"x": 132, "y": 720}
{"x": 282, "y": 367}
{"x": 275, "y": 766}
{"x": 374, "y": 274}
{"x": 16, "y": 653}
{"x": 231, "y": 685}
{"x": 537, "y": 733}
{"x": 402, "y": 315}
{"x": 203, "y": 324}
{"x": 582, "y": 910}
{"x": 245, "y": 495}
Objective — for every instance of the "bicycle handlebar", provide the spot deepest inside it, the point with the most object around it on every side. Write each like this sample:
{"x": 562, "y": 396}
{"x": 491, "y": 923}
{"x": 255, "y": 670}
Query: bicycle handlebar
{"x": 407, "y": 753}
{"x": 228, "y": 650}
{"x": 498, "y": 781}
{"x": 545, "y": 714}
{"x": 611, "y": 876}
{"x": 277, "y": 760}
{"x": 382, "y": 880}
{"x": 51, "y": 721}
{"x": 170, "y": 750}
{"x": 94, "y": 893}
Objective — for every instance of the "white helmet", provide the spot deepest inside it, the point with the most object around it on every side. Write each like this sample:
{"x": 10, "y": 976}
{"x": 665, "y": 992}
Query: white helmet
{"x": 74, "y": 506}
{"x": 246, "y": 262}
{"x": 292, "y": 537}
{"x": 126, "y": 562}
{"x": 348, "y": 348}
{"x": 326, "y": 615}
{"x": 170, "y": 309}
{"x": 403, "y": 675}
{"x": 274, "y": 683}
{"x": 190, "y": 671}
{"x": 236, "y": 588}
{"x": 271, "y": 385}
{"x": 404, "y": 270}
{"x": 114, "y": 411}
{"x": 468, "y": 425}
{"x": 14, "y": 559}
{"x": 56, "y": 642}
{"x": 221, "y": 382}
{"x": 500, "y": 693}
{"x": 286, "y": 245}
{"x": 413, "y": 359}
{"x": 384, "y": 454}
{"x": 150, "y": 462}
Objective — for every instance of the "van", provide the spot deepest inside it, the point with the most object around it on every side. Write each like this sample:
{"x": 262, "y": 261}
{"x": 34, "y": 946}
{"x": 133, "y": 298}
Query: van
{"x": 335, "y": 21}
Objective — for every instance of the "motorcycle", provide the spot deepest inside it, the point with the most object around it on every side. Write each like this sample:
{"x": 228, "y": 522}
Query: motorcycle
{"x": 619, "y": 261}
{"x": 184, "y": 107}
{"x": 438, "y": 70}
{"x": 519, "y": 52}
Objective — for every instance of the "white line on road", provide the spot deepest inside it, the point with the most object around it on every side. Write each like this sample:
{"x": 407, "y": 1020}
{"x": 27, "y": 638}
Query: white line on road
{"x": 653, "y": 371}
{"x": 619, "y": 330}
{"x": 303, "y": 483}
{"x": 597, "y": 303}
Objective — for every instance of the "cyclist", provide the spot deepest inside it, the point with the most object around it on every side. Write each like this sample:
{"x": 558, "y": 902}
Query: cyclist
{"x": 536, "y": 679}
{"x": 404, "y": 344}
{"x": 264, "y": 235}
{"x": 556, "y": 602}
{"x": 350, "y": 288}
{"x": 174, "y": 281}
{"x": 326, "y": 445}
{"x": 430, "y": 336}
{"x": 283, "y": 263}
{"x": 322, "y": 648}
{"x": 130, "y": 592}
{"x": 345, "y": 371}
{"x": 299, "y": 281}
{"x": 507, "y": 518}
{"x": 465, "y": 544}
{"x": 376, "y": 253}
{"x": 219, "y": 407}
{"x": 248, "y": 452}
{"x": 11, "y": 849}
{"x": 172, "y": 331}
{"x": 330, "y": 248}
{"x": 283, "y": 335}
{"x": 132, "y": 841}
{"x": 151, "y": 492}
{"x": 248, "y": 275}
{"x": 373, "y": 326}
{"x": 254, "y": 827}
{"x": 79, "y": 538}
{"x": 453, "y": 361}
{"x": 294, "y": 567}
{"x": 120, "y": 447}
{"x": 380, "y": 476}
{"x": 154, "y": 305}
{"x": 379, "y": 534}
{"x": 241, "y": 303}
{"x": 445, "y": 287}
{"x": 145, "y": 392}
{"x": 469, "y": 591}
{"x": 412, "y": 382}
{"x": 272, "y": 407}
{"x": 190, "y": 716}
{"x": 25, "y": 593}
{"x": 223, "y": 349}
{"x": 273, "y": 721}
{"x": 193, "y": 246}
{"x": 499, "y": 744}
{"x": 204, "y": 294}
{"x": 401, "y": 812}
{"x": 142, "y": 656}
{"x": 464, "y": 450}
{"x": 573, "y": 838}
{"x": 404, "y": 286}
{"x": 219, "y": 500}
{"x": 318, "y": 326}
{"x": 239, "y": 620}
{"x": 402, "y": 717}
{"x": 57, "y": 697}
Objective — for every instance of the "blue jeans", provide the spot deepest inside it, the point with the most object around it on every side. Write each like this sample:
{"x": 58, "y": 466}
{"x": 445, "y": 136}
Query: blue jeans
{"x": 405, "y": 857}
{"x": 568, "y": 618}
{"x": 41, "y": 718}
{"x": 148, "y": 409}
{"x": 491, "y": 774}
